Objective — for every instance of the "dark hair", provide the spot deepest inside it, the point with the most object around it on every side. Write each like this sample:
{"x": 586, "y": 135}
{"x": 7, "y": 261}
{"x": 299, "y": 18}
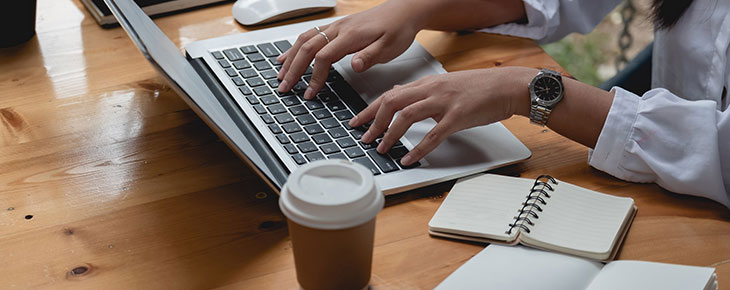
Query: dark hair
{"x": 666, "y": 13}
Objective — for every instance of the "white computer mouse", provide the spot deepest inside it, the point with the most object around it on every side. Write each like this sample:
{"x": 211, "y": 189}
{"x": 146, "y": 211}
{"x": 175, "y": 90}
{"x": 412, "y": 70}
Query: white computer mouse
{"x": 253, "y": 12}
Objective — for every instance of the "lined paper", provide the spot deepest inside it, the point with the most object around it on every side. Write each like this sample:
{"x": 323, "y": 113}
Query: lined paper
{"x": 482, "y": 206}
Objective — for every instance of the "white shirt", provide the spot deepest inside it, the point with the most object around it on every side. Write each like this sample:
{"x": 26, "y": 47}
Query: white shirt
{"x": 677, "y": 134}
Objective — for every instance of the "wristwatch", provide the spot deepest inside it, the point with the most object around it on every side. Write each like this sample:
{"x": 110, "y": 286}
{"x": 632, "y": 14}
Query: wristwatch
{"x": 546, "y": 90}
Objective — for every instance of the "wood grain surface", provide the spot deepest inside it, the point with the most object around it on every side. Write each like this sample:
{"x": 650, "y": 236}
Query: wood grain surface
{"x": 109, "y": 181}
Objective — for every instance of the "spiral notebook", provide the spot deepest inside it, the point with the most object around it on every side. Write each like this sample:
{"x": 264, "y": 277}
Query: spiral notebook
{"x": 543, "y": 213}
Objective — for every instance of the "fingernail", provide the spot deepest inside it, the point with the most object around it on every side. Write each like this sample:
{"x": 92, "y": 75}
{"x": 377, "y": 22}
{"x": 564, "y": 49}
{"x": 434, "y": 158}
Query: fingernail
{"x": 365, "y": 136}
{"x": 352, "y": 121}
{"x": 283, "y": 85}
{"x": 357, "y": 64}
{"x": 406, "y": 160}
{"x": 308, "y": 93}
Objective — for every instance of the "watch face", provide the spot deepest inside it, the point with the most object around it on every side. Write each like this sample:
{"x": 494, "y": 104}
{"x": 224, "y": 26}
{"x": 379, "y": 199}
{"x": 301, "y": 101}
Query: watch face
{"x": 547, "y": 89}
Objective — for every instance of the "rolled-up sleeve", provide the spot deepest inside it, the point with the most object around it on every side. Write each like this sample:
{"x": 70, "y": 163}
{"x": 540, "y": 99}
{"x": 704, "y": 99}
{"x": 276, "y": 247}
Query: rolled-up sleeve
{"x": 551, "y": 20}
{"x": 683, "y": 146}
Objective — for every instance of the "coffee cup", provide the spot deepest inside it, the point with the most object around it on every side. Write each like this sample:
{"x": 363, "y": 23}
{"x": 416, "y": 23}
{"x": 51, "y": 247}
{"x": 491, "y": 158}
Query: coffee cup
{"x": 330, "y": 208}
{"x": 17, "y": 22}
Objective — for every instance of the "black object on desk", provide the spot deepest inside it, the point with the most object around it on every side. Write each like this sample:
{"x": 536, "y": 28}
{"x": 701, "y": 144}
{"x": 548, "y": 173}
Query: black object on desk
{"x": 104, "y": 16}
{"x": 17, "y": 22}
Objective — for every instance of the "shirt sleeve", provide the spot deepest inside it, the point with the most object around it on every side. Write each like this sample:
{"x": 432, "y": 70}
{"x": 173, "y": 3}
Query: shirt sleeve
{"x": 683, "y": 146}
{"x": 551, "y": 20}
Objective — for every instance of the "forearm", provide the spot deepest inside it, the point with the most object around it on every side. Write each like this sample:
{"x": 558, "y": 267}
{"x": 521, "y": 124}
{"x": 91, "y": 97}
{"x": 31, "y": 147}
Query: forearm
{"x": 581, "y": 114}
{"x": 453, "y": 15}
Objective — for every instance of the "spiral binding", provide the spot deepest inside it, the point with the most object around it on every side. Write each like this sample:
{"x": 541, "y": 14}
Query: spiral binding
{"x": 532, "y": 204}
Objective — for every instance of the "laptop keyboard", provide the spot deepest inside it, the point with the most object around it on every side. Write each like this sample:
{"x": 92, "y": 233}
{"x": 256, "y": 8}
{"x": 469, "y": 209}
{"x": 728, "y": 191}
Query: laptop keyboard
{"x": 308, "y": 130}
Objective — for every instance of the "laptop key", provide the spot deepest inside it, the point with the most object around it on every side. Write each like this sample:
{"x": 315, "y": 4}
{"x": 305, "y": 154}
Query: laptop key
{"x": 322, "y": 114}
{"x": 346, "y": 142}
{"x": 397, "y": 152}
{"x": 269, "y": 100}
{"x": 259, "y": 109}
{"x": 231, "y": 72}
{"x": 329, "y": 148}
{"x": 291, "y": 128}
{"x": 273, "y": 83}
{"x": 299, "y": 87}
{"x": 290, "y": 101}
{"x": 314, "y": 156}
{"x": 314, "y": 129}
{"x": 299, "y": 159}
{"x": 283, "y": 139}
{"x": 383, "y": 161}
{"x": 275, "y": 129}
{"x": 224, "y": 63}
{"x": 322, "y": 139}
{"x": 343, "y": 115}
{"x": 282, "y": 45}
{"x": 329, "y": 123}
{"x": 413, "y": 165}
{"x": 233, "y": 54}
{"x": 245, "y": 90}
{"x": 370, "y": 145}
{"x": 217, "y": 55}
{"x": 261, "y": 65}
{"x": 252, "y": 100}
{"x": 367, "y": 163}
{"x": 346, "y": 124}
{"x": 254, "y": 57}
{"x": 255, "y": 81}
{"x": 267, "y": 119}
{"x": 274, "y": 62}
{"x": 336, "y": 106}
{"x": 268, "y": 49}
{"x": 299, "y": 137}
{"x": 241, "y": 64}
{"x": 268, "y": 74}
{"x": 354, "y": 152}
{"x": 327, "y": 97}
{"x": 260, "y": 91}
{"x": 276, "y": 109}
{"x": 249, "y": 49}
{"x": 281, "y": 95}
{"x": 238, "y": 81}
{"x": 248, "y": 73}
{"x": 337, "y": 156}
{"x": 357, "y": 134}
{"x": 307, "y": 147}
{"x": 283, "y": 118}
{"x": 306, "y": 119}
{"x": 314, "y": 105}
{"x": 298, "y": 110}
{"x": 290, "y": 148}
{"x": 338, "y": 132}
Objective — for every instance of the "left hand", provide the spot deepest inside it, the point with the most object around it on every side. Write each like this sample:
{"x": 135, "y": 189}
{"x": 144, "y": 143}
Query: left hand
{"x": 456, "y": 101}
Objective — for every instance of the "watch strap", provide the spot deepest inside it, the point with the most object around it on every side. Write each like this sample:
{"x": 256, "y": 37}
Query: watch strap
{"x": 539, "y": 115}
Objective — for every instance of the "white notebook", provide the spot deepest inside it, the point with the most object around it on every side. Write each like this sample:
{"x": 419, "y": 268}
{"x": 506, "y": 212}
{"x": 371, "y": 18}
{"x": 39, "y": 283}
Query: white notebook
{"x": 518, "y": 268}
{"x": 543, "y": 213}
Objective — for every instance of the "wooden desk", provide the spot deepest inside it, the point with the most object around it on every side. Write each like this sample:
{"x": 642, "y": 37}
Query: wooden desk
{"x": 109, "y": 181}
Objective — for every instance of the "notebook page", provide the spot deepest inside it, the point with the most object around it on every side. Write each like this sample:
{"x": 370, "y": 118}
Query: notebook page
{"x": 638, "y": 275}
{"x": 482, "y": 206}
{"x": 522, "y": 268}
{"x": 580, "y": 221}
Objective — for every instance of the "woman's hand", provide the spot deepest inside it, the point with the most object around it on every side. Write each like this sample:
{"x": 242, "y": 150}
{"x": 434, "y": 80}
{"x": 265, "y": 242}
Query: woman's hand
{"x": 376, "y": 35}
{"x": 456, "y": 101}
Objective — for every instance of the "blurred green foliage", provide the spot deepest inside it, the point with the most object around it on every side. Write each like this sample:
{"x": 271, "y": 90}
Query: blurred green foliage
{"x": 581, "y": 55}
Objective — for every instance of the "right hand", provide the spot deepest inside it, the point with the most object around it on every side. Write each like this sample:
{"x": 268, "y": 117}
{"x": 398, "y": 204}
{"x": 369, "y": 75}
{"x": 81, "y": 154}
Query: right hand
{"x": 376, "y": 36}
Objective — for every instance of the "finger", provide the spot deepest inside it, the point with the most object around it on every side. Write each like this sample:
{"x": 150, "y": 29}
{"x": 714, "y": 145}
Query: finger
{"x": 333, "y": 52}
{"x": 374, "y": 53}
{"x": 288, "y": 57}
{"x": 393, "y": 101}
{"x": 368, "y": 113}
{"x": 301, "y": 62}
{"x": 432, "y": 139}
{"x": 418, "y": 111}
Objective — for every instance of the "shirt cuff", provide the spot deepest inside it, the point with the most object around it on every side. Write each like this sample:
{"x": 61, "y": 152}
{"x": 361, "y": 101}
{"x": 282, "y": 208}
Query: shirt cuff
{"x": 538, "y": 13}
{"x": 615, "y": 134}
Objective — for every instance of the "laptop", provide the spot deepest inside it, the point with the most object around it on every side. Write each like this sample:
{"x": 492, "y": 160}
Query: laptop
{"x": 230, "y": 82}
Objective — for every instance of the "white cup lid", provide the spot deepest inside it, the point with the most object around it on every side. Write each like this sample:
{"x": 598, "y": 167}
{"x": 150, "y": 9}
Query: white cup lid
{"x": 331, "y": 195}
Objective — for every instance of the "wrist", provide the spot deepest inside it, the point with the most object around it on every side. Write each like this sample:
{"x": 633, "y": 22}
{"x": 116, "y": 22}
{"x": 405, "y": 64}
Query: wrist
{"x": 518, "y": 93}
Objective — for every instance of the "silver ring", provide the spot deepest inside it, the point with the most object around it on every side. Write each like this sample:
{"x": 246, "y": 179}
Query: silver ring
{"x": 317, "y": 28}
{"x": 325, "y": 36}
